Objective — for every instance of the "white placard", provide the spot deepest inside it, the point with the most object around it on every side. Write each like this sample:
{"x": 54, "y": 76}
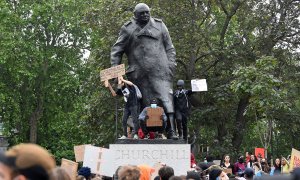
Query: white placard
{"x": 217, "y": 162}
{"x": 176, "y": 156}
{"x": 198, "y": 85}
{"x": 99, "y": 160}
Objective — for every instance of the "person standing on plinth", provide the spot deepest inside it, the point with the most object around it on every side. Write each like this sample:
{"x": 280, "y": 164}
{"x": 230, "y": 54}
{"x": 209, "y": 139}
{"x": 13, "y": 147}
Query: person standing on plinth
{"x": 182, "y": 107}
{"x": 132, "y": 96}
{"x": 151, "y": 59}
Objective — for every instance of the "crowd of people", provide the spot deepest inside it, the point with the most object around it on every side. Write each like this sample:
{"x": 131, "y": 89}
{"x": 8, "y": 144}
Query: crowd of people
{"x": 32, "y": 162}
{"x": 250, "y": 167}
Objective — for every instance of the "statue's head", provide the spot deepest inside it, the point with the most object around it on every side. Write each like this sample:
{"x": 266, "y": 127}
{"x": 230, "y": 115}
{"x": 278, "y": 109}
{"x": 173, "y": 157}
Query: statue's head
{"x": 142, "y": 13}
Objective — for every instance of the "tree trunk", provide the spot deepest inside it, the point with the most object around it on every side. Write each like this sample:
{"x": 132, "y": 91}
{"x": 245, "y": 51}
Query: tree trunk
{"x": 240, "y": 123}
{"x": 34, "y": 118}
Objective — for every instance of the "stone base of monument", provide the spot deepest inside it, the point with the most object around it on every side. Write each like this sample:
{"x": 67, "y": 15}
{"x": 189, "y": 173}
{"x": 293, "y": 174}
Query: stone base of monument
{"x": 174, "y": 153}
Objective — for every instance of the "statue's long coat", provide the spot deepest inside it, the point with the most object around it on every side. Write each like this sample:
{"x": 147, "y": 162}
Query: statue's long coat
{"x": 151, "y": 59}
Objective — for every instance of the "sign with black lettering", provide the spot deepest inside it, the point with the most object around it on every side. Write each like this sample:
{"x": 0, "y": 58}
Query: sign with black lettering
{"x": 113, "y": 72}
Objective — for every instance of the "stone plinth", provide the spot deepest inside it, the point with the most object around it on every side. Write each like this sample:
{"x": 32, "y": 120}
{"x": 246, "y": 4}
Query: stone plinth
{"x": 174, "y": 153}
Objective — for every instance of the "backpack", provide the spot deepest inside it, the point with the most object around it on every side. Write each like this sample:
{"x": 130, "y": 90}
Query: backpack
{"x": 138, "y": 92}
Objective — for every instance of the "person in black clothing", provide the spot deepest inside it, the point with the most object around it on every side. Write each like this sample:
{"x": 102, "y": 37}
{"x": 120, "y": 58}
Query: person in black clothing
{"x": 132, "y": 95}
{"x": 182, "y": 107}
{"x": 226, "y": 164}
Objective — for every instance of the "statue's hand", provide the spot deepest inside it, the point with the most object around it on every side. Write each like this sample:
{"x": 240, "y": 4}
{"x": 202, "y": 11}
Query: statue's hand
{"x": 172, "y": 68}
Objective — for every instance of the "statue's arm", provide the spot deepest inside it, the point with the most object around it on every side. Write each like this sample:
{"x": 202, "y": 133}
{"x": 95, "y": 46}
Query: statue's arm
{"x": 118, "y": 48}
{"x": 169, "y": 47}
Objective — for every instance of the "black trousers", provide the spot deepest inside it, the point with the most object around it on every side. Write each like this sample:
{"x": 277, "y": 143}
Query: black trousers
{"x": 133, "y": 111}
{"x": 181, "y": 123}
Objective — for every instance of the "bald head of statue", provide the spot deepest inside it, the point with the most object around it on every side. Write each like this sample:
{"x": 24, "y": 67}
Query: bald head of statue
{"x": 142, "y": 13}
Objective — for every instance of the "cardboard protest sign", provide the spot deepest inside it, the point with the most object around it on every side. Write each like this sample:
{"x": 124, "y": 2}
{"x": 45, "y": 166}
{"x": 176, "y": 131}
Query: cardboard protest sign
{"x": 228, "y": 170}
{"x": 113, "y": 72}
{"x": 70, "y": 167}
{"x": 110, "y": 73}
{"x": 98, "y": 159}
{"x": 79, "y": 152}
{"x": 154, "y": 115}
{"x": 217, "y": 162}
{"x": 295, "y": 159}
{"x": 156, "y": 168}
{"x": 260, "y": 152}
{"x": 198, "y": 85}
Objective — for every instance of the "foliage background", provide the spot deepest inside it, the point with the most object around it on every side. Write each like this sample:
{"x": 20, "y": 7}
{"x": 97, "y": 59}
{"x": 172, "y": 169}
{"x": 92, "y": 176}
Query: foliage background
{"x": 51, "y": 94}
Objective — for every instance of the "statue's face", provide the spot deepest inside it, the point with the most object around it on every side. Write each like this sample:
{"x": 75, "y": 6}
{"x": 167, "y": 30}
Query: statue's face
{"x": 142, "y": 14}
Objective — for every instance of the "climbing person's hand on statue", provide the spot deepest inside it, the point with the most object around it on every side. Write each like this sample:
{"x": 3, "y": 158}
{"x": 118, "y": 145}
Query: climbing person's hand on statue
{"x": 121, "y": 79}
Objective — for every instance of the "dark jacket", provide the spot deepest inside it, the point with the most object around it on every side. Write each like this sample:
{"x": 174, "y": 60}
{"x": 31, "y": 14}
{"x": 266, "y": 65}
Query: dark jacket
{"x": 181, "y": 100}
{"x": 132, "y": 99}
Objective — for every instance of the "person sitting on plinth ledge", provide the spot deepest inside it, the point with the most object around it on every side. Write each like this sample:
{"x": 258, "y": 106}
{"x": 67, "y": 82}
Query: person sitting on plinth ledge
{"x": 152, "y": 119}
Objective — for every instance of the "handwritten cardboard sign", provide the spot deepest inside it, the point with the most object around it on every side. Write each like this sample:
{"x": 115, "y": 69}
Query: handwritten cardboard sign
{"x": 295, "y": 159}
{"x": 112, "y": 72}
{"x": 154, "y": 115}
{"x": 70, "y": 167}
{"x": 79, "y": 152}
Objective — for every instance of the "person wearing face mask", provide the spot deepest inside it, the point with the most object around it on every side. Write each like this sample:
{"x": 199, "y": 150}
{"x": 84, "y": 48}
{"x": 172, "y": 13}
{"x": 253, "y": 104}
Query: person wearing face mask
{"x": 182, "y": 107}
{"x": 143, "y": 117}
{"x": 151, "y": 59}
{"x": 239, "y": 167}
